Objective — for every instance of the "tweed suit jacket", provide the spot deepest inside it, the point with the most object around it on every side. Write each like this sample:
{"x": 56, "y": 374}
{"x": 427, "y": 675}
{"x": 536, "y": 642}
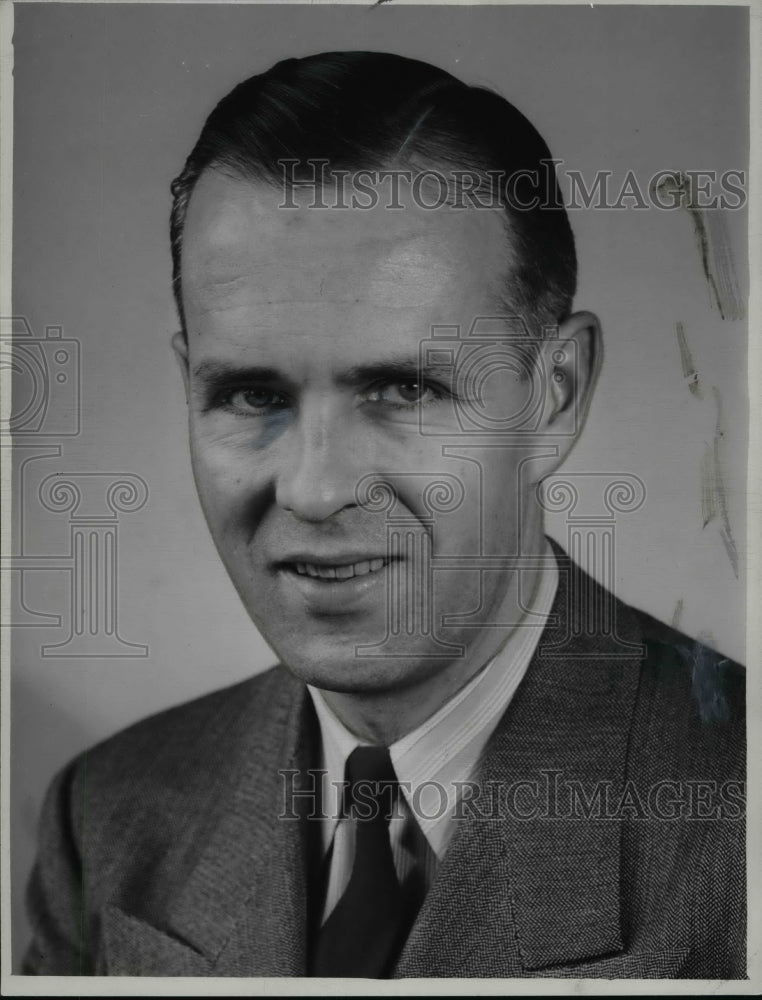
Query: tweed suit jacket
{"x": 604, "y": 836}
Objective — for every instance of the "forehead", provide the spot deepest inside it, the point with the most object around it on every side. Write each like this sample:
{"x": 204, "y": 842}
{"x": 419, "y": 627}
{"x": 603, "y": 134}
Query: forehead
{"x": 250, "y": 265}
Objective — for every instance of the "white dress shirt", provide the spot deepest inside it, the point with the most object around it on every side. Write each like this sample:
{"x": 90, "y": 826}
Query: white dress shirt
{"x": 434, "y": 760}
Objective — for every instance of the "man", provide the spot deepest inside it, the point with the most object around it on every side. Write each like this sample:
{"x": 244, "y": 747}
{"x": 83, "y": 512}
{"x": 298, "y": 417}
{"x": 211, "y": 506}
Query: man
{"x": 471, "y": 760}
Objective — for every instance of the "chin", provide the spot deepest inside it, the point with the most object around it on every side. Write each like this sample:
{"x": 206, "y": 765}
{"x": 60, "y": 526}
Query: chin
{"x": 347, "y": 673}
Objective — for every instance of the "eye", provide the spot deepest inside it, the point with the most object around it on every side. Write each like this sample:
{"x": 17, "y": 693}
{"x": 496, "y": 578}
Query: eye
{"x": 405, "y": 394}
{"x": 254, "y": 400}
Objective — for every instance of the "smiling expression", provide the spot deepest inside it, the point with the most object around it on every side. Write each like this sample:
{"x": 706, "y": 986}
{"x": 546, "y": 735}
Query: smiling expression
{"x": 303, "y": 373}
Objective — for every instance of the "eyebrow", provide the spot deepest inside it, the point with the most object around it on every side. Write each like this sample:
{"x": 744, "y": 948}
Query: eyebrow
{"x": 395, "y": 368}
{"x": 217, "y": 373}
{"x": 214, "y": 373}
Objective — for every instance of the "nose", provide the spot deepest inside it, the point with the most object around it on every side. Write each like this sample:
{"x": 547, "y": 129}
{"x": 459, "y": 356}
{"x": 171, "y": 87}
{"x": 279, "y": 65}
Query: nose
{"x": 316, "y": 476}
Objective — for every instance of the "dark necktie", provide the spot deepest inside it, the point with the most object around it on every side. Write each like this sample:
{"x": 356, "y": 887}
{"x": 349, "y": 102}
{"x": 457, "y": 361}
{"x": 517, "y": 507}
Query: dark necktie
{"x": 364, "y": 931}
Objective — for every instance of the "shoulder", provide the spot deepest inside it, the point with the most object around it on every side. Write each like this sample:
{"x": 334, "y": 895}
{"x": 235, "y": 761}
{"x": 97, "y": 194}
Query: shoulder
{"x": 217, "y": 708}
{"x": 689, "y": 708}
{"x": 132, "y": 812}
{"x": 691, "y": 704}
{"x": 717, "y": 684}
{"x": 681, "y": 676}
{"x": 186, "y": 750}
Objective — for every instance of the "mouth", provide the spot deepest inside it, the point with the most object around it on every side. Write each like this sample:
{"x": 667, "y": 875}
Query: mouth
{"x": 338, "y": 571}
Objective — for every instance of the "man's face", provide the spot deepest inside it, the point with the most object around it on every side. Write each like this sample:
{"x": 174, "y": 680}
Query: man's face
{"x": 304, "y": 330}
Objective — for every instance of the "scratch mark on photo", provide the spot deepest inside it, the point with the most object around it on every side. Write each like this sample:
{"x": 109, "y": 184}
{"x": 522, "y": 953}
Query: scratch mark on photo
{"x": 711, "y": 235}
{"x": 677, "y": 613}
{"x": 714, "y": 496}
{"x": 690, "y": 374}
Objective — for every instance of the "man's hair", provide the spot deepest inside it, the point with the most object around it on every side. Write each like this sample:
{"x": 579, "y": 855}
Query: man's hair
{"x": 373, "y": 111}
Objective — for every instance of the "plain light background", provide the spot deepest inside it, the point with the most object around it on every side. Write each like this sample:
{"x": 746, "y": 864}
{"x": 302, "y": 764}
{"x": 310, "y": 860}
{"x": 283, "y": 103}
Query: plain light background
{"x": 109, "y": 100}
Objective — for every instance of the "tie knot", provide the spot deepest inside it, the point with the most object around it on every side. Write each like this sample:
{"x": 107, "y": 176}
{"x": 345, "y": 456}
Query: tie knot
{"x": 372, "y": 785}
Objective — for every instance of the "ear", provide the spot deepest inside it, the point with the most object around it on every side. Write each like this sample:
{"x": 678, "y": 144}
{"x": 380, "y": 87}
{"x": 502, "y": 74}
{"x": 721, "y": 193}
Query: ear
{"x": 180, "y": 347}
{"x": 572, "y": 361}
{"x": 569, "y": 365}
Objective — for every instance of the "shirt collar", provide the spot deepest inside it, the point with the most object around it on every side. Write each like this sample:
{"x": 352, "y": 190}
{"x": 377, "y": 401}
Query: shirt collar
{"x": 445, "y": 749}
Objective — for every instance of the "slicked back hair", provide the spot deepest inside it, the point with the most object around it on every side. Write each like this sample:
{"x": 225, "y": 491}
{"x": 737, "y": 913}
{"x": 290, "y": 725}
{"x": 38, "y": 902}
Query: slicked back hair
{"x": 374, "y": 111}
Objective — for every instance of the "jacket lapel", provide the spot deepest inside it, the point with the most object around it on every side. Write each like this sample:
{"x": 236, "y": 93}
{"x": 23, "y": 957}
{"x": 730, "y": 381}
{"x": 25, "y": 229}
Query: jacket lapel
{"x": 241, "y": 910}
{"x": 528, "y": 882}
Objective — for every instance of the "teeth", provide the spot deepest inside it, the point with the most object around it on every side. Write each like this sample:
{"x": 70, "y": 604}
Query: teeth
{"x": 345, "y": 572}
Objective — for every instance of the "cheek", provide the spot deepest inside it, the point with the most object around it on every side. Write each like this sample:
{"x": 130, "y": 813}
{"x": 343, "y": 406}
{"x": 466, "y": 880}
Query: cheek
{"x": 485, "y": 520}
{"x": 229, "y": 479}
{"x": 450, "y": 502}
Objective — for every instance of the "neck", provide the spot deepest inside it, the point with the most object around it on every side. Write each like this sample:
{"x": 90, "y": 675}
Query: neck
{"x": 384, "y": 717}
